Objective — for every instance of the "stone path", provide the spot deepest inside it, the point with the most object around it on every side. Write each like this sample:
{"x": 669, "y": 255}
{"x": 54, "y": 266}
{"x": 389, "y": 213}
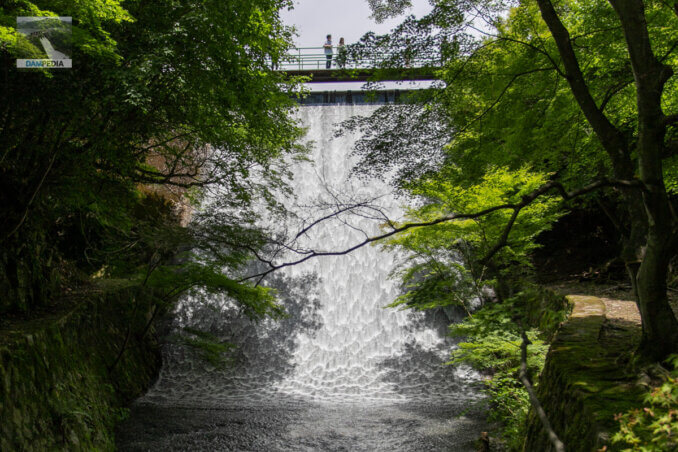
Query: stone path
{"x": 621, "y": 310}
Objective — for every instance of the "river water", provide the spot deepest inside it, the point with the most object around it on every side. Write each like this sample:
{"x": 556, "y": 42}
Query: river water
{"x": 341, "y": 373}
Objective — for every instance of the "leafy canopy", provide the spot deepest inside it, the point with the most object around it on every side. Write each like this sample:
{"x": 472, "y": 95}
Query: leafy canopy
{"x": 445, "y": 263}
{"x": 170, "y": 113}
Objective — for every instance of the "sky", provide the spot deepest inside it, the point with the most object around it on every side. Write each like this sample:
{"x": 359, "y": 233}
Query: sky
{"x": 315, "y": 19}
{"x": 350, "y": 19}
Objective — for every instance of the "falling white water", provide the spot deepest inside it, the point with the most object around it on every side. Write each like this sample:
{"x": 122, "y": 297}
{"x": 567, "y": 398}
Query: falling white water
{"x": 344, "y": 359}
{"x": 340, "y": 344}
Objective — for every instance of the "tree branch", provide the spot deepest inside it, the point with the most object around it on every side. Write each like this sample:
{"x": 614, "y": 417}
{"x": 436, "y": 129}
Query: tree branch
{"x": 501, "y": 95}
{"x": 503, "y": 241}
{"x": 516, "y": 207}
{"x": 611, "y": 138}
{"x": 553, "y": 185}
{"x": 524, "y": 378}
{"x": 536, "y": 49}
{"x": 327, "y": 217}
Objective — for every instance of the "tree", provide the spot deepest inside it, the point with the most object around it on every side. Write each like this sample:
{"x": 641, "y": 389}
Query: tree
{"x": 168, "y": 102}
{"x": 581, "y": 90}
{"x": 648, "y": 268}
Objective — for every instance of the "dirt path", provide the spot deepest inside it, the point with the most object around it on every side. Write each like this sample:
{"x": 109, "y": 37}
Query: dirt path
{"x": 621, "y": 310}
{"x": 617, "y": 297}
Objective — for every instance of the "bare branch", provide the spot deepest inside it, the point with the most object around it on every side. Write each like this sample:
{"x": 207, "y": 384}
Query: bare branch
{"x": 524, "y": 378}
{"x": 327, "y": 217}
{"x": 516, "y": 207}
{"x": 369, "y": 240}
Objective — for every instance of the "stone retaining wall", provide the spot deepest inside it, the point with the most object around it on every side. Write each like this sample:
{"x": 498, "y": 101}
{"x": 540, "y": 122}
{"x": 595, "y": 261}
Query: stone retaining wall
{"x": 57, "y": 389}
{"x": 584, "y": 382}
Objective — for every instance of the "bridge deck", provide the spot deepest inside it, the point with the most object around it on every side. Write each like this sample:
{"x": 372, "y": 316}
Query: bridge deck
{"x": 361, "y": 75}
{"x": 380, "y": 97}
{"x": 312, "y": 61}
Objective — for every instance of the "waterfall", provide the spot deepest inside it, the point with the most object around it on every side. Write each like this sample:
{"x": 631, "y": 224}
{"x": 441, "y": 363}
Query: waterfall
{"x": 339, "y": 347}
{"x": 346, "y": 358}
{"x": 342, "y": 344}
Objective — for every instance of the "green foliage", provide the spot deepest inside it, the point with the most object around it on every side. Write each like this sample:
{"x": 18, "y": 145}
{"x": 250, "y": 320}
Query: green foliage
{"x": 653, "y": 428}
{"x": 671, "y": 175}
{"x": 445, "y": 262}
{"x": 447, "y": 265}
{"x": 498, "y": 351}
{"x": 506, "y": 102}
{"x": 385, "y": 9}
{"x": 509, "y": 406}
{"x": 211, "y": 349}
{"x": 257, "y": 301}
{"x": 491, "y": 345}
{"x": 167, "y": 100}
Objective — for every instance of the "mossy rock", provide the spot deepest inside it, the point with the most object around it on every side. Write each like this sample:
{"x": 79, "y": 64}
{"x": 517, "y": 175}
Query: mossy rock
{"x": 582, "y": 386}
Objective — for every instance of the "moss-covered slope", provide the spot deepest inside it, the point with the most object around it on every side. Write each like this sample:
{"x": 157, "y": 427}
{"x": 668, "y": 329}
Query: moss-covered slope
{"x": 57, "y": 388}
{"x": 584, "y": 382}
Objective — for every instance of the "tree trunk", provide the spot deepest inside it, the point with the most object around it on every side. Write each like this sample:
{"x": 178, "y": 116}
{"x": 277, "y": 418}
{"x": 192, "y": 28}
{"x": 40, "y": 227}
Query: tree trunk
{"x": 611, "y": 138}
{"x": 633, "y": 245}
{"x": 653, "y": 238}
{"x": 660, "y": 328}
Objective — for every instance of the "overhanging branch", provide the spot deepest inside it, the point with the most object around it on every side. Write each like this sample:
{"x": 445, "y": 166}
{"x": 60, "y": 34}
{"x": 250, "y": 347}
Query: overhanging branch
{"x": 516, "y": 207}
{"x": 610, "y": 137}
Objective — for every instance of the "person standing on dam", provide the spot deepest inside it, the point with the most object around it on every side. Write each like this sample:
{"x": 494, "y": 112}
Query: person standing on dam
{"x": 328, "y": 51}
{"x": 341, "y": 54}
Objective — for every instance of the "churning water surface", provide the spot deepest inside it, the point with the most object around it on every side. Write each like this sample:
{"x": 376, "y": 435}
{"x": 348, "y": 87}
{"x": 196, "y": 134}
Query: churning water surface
{"x": 341, "y": 373}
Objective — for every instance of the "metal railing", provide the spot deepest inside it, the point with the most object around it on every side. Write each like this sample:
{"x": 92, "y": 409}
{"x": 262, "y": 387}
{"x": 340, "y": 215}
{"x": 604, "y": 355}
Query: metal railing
{"x": 314, "y": 58}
